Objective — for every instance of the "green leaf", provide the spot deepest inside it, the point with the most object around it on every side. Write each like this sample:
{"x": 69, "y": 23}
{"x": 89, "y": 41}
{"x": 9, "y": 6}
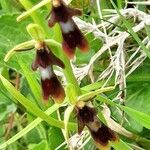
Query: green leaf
{"x": 11, "y": 34}
{"x": 67, "y": 114}
{"x": 138, "y": 99}
{"x": 120, "y": 145}
{"x": 42, "y": 145}
{"x": 29, "y": 105}
{"x": 55, "y": 138}
{"x": 6, "y": 6}
{"x": 33, "y": 83}
{"x": 142, "y": 118}
{"x": 29, "y": 127}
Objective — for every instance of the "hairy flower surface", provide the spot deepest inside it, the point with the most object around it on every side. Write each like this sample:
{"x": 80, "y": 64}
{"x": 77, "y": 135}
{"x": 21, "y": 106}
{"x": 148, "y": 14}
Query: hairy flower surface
{"x": 100, "y": 133}
{"x": 72, "y": 36}
{"x": 45, "y": 60}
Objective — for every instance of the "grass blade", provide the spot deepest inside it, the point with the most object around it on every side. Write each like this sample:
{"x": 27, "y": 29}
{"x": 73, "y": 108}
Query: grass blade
{"x": 34, "y": 85}
{"x": 29, "y": 105}
{"x": 67, "y": 114}
{"x": 134, "y": 35}
{"x": 120, "y": 145}
{"x": 28, "y": 128}
{"x": 142, "y": 118}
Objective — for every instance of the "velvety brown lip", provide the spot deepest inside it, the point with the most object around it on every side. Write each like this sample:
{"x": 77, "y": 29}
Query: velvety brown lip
{"x": 101, "y": 134}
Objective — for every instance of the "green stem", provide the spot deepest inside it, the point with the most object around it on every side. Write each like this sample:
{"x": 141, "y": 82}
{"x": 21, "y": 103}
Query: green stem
{"x": 37, "y": 18}
{"x": 68, "y": 69}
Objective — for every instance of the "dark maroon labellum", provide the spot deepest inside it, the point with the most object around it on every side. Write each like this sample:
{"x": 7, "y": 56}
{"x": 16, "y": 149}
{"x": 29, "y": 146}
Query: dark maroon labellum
{"x": 84, "y": 116}
{"x": 51, "y": 86}
{"x": 72, "y": 36}
{"x": 101, "y": 134}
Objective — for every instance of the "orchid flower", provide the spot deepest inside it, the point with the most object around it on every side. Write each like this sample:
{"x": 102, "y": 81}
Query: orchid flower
{"x": 72, "y": 36}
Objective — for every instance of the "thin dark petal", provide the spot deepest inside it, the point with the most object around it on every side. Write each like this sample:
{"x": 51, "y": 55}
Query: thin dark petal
{"x": 52, "y": 20}
{"x": 74, "y": 12}
{"x": 81, "y": 126}
{"x": 34, "y": 65}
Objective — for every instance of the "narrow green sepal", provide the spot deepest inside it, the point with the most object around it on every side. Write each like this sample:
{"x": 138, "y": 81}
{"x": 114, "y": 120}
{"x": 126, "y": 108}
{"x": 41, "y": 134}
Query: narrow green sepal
{"x": 19, "y": 48}
{"x": 30, "y": 11}
{"x": 92, "y": 94}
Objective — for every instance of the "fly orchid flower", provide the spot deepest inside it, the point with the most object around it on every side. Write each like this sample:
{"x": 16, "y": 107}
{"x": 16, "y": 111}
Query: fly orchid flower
{"x": 44, "y": 61}
{"x": 101, "y": 134}
{"x": 72, "y": 36}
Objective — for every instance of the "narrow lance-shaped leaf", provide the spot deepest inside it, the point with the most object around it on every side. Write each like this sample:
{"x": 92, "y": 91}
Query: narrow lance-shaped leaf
{"x": 29, "y": 105}
{"x": 142, "y": 118}
{"x": 33, "y": 83}
{"x": 120, "y": 145}
{"x": 67, "y": 114}
{"x": 29, "y": 127}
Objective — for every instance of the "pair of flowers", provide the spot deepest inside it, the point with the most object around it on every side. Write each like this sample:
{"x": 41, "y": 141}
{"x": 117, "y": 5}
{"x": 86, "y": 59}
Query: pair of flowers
{"x": 45, "y": 59}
